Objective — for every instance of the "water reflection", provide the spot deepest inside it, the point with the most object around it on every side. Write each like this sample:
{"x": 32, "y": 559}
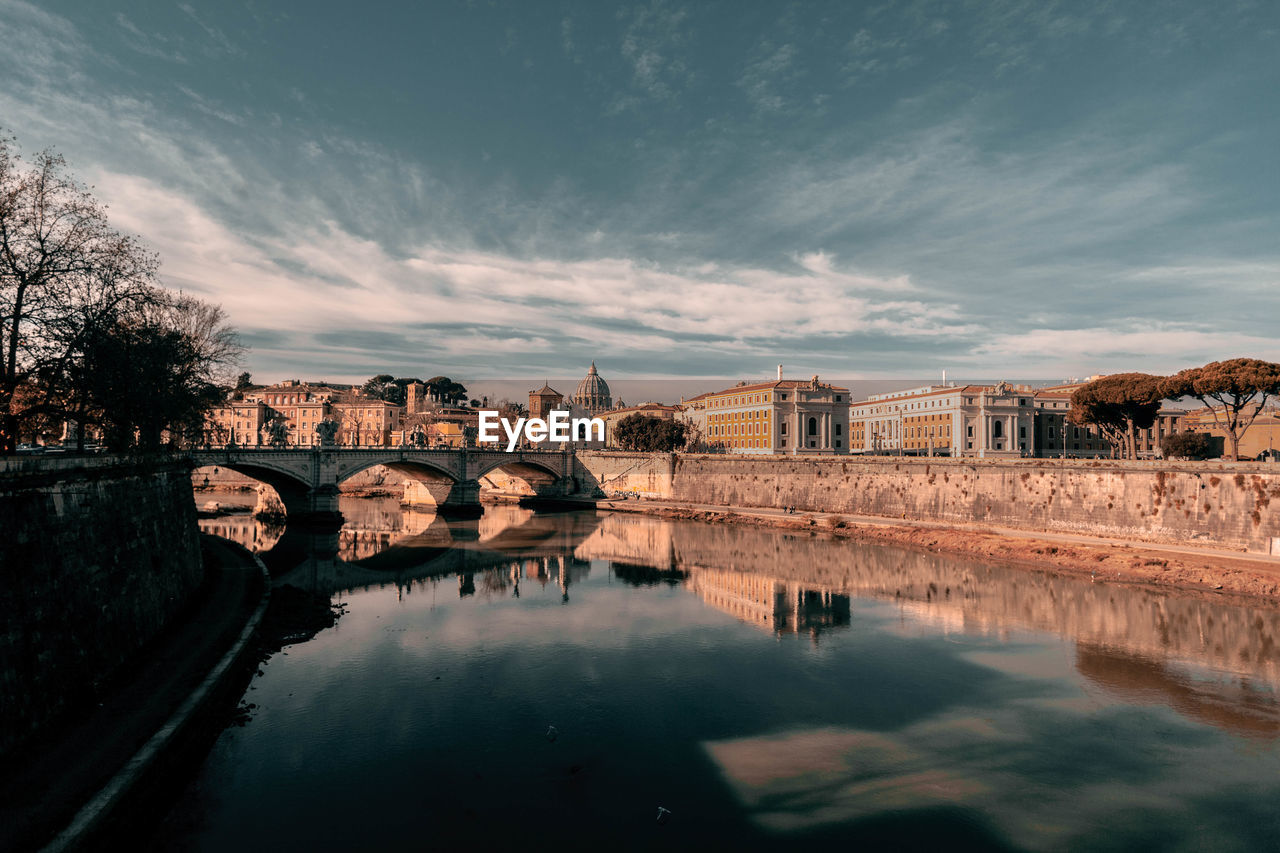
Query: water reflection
{"x": 768, "y": 688}
{"x": 1207, "y": 659}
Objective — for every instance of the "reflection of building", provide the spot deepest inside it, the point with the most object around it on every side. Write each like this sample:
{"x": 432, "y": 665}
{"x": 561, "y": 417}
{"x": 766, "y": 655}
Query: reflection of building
{"x": 783, "y": 607}
{"x": 785, "y": 416}
{"x": 592, "y": 394}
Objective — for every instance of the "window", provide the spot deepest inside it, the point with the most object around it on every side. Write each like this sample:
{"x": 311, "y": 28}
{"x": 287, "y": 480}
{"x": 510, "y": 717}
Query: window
{"x": 970, "y": 433}
{"x": 784, "y": 430}
{"x": 1022, "y": 433}
{"x": 838, "y": 432}
{"x": 997, "y": 430}
{"x": 813, "y": 428}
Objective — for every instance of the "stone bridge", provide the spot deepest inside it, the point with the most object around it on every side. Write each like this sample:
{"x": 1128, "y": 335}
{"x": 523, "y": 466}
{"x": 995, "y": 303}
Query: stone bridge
{"x": 307, "y": 478}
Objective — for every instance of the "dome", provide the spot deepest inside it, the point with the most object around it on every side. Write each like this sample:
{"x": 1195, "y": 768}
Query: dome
{"x": 593, "y": 392}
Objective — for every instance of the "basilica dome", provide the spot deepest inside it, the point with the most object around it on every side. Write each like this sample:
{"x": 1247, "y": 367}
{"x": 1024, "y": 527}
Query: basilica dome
{"x": 593, "y": 392}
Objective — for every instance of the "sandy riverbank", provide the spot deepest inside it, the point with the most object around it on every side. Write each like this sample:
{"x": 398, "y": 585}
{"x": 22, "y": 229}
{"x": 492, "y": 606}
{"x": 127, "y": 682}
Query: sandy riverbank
{"x": 1251, "y": 578}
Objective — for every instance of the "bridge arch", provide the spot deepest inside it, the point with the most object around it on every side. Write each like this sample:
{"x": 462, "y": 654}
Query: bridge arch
{"x": 523, "y": 477}
{"x": 293, "y": 490}
{"x": 415, "y": 468}
{"x": 427, "y": 482}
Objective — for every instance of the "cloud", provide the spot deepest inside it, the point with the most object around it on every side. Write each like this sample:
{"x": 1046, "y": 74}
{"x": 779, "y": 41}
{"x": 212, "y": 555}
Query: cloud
{"x": 652, "y": 45}
{"x": 1140, "y": 345}
{"x": 218, "y": 40}
{"x": 315, "y": 278}
{"x": 154, "y": 45}
{"x": 930, "y": 230}
{"x": 761, "y": 79}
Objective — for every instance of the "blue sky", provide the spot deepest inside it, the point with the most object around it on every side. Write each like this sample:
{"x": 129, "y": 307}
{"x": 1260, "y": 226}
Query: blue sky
{"x": 706, "y": 189}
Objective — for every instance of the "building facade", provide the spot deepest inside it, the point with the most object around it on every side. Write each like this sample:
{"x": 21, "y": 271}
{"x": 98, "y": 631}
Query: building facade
{"x": 786, "y": 416}
{"x": 1260, "y": 440}
{"x": 543, "y": 401}
{"x": 298, "y": 408}
{"x": 947, "y": 420}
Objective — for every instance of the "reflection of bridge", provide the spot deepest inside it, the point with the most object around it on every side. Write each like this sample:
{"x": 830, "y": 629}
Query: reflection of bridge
{"x": 518, "y": 543}
{"x": 307, "y": 479}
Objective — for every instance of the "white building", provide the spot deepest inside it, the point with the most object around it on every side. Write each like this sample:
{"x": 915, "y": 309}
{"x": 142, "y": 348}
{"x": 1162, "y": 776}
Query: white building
{"x": 947, "y": 420}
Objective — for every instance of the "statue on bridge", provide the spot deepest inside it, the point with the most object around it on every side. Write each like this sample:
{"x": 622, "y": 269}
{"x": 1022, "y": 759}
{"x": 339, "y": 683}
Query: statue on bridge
{"x": 326, "y": 431}
{"x": 278, "y": 434}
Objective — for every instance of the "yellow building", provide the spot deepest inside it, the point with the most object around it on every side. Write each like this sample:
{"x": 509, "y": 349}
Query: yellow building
{"x": 784, "y": 416}
{"x": 1261, "y": 438}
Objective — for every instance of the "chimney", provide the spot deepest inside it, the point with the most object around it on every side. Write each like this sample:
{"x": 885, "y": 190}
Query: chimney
{"x": 779, "y": 372}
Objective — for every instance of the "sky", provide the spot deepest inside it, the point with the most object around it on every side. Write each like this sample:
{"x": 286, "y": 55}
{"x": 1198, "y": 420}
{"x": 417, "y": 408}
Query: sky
{"x": 489, "y": 189}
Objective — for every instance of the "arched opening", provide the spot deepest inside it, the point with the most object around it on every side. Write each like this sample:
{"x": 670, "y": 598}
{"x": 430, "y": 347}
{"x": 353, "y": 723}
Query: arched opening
{"x": 813, "y": 426}
{"x": 997, "y": 430}
{"x": 247, "y": 504}
{"x": 514, "y": 481}
{"x": 418, "y": 485}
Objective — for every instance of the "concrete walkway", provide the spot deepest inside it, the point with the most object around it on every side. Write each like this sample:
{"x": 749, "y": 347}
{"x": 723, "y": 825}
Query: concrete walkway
{"x": 1272, "y": 562}
{"x": 64, "y": 784}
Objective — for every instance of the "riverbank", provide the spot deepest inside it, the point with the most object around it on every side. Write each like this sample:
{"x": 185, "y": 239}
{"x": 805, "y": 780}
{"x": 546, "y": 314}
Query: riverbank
{"x": 1248, "y": 577}
{"x": 72, "y": 777}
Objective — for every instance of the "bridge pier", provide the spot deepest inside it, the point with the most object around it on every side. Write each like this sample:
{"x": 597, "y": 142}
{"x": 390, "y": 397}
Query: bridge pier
{"x": 319, "y": 508}
{"x": 463, "y": 501}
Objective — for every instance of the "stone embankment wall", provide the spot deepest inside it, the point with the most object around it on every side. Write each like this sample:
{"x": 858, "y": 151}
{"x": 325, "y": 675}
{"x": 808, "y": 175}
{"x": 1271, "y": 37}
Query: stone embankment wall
{"x": 96, "y": 555}
{"x": 1235, "y": 505}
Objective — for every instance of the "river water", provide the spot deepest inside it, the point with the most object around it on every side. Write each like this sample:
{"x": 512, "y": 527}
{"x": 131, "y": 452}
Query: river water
{"x": 558, "y": 681}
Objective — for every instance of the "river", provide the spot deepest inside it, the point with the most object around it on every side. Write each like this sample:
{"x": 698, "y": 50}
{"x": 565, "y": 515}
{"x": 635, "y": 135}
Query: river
{"x": 557, "y": 681}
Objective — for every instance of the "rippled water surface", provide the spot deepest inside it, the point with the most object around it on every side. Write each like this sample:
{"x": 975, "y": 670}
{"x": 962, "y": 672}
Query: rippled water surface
{"x": 553, "y": 680}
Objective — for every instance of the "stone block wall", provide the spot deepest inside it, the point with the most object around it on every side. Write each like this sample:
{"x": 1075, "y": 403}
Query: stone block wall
{"x": 96, "y": 555}
{"x": 1234, "y": 505}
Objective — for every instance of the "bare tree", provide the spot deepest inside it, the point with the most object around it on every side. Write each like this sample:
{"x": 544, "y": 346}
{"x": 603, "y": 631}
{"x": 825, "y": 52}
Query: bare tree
{"x": 64, "y": 274}
{"x": 157, "y": 372}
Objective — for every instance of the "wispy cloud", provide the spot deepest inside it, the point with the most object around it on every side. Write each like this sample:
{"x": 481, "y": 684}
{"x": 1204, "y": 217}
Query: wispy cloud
{"x": 741, "y": 211}
{"x": 154, "y": 45}
{"x": 652, "y": 45}
{"x": 218, "y": 41}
